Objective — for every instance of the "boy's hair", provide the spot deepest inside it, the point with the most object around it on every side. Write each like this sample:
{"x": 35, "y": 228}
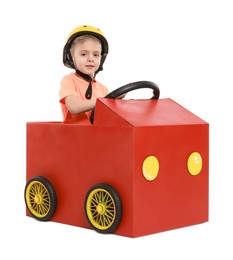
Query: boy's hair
{"x": 83, "y": 38}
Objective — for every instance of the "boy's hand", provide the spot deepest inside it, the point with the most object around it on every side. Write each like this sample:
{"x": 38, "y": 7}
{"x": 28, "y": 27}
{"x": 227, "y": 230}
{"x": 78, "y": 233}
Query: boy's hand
{"x": 122, "y": 96}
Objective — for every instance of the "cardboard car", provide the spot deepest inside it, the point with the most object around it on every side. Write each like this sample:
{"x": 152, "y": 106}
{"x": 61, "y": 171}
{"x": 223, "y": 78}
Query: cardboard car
{"x": 138, "y": 167}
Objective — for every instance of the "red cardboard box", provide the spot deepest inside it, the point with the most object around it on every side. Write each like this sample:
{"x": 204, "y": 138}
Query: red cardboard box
{"x": 153, "y": 153}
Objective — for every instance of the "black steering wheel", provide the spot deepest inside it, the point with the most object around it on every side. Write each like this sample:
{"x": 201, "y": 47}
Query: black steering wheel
{"x": 127, "y": 88}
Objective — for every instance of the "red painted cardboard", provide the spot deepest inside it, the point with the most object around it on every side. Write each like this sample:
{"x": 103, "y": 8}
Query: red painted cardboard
{"x": 75, "y": 157}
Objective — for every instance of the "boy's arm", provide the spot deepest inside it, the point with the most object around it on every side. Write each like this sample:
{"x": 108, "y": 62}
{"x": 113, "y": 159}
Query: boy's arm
{"x": 76, "y": 106}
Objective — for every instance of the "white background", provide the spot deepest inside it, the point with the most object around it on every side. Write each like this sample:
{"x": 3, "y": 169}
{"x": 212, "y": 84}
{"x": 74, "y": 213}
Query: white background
{"x": 186, "y": 47}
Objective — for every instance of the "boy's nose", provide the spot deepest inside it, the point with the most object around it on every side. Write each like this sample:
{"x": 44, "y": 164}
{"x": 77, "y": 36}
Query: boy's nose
{"x": 90, "y": 57}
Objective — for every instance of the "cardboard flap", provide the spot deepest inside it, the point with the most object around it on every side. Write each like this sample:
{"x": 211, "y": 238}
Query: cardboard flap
{"x": 119, "y": 112}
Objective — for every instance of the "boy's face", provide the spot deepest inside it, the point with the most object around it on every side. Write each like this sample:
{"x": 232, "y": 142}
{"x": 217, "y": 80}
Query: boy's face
{"x": 86, "y": 56}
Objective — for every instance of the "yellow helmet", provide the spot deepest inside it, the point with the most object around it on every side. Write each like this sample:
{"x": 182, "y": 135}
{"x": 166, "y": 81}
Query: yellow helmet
{"x": 82, "y": 30}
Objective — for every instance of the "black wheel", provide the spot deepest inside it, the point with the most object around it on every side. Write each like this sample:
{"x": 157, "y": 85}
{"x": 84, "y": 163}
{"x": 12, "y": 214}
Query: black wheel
{"x": 130, "y": 87}
{"x": 103, "y": 208}
{"x": 40, "y": 198}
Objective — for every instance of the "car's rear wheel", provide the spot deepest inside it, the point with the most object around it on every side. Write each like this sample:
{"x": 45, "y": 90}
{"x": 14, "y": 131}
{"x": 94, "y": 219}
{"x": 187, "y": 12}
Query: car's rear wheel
{"x": 40, "y": 198}
{"x": 103, "y": 208}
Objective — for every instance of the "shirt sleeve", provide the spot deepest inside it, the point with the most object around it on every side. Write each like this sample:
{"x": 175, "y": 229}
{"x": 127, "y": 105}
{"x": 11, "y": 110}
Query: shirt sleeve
{"x": 67, "y": 88}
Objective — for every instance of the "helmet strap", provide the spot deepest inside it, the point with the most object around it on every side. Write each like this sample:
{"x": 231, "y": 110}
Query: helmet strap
{"x": 88, "y": 93}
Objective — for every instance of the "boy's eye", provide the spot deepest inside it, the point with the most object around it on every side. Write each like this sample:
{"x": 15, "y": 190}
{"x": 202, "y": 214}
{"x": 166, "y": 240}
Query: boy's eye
{"x": 96, "y": 55}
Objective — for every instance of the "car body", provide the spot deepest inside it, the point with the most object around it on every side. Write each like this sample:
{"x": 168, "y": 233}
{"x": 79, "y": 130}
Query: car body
{"x": 151, "y": 157}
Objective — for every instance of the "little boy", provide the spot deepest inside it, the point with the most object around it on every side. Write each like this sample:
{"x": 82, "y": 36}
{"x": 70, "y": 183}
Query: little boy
{"x": 85, "y": 51}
